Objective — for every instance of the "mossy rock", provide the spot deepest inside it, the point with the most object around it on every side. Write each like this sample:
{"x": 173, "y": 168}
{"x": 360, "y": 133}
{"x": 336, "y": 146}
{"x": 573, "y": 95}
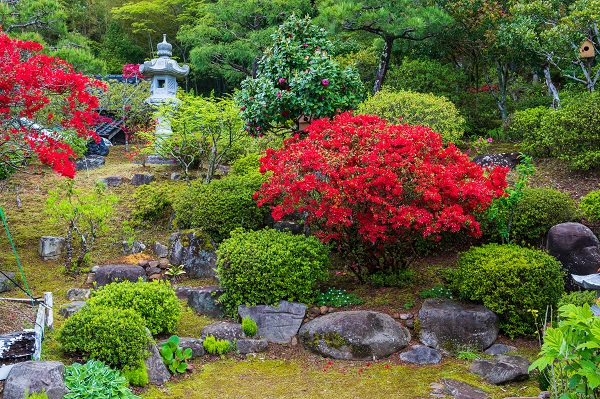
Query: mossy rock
{"x": 354, "y": 335}
{"x": 194, "y": 249}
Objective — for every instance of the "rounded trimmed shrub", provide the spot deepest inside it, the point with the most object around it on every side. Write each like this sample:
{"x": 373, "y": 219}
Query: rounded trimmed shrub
{"x": 523, "y": 122}
{"x": 114, "y": 336}
{"x": 221, "y": 206}
{"x": 590, "y": 206}
{"x": 511, "y": 281}
{"x": 538, "y": 210}
{"x": 267, "y": 266}
{"x": 153, "y": 201}
{"x": 417, "y": 109}
{"x": 155, "y": 302}
{"x": 247, "y": 165}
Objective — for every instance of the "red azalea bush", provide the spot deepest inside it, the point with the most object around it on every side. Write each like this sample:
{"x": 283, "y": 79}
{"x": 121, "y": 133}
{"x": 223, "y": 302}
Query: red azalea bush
{"x": 374, "y": 188}
{"x": 47, "y": 91}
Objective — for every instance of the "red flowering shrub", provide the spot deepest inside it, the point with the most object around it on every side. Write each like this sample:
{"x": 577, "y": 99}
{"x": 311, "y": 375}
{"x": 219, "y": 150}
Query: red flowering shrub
{"x": 374, "y": 188}
{"x": 45, "y": 90}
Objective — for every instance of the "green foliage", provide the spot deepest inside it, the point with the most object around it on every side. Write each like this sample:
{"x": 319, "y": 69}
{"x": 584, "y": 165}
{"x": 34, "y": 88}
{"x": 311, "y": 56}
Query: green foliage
{"x": 204, "y": 130}
{"x": 577, "y": 298}
{"x": 570, "y": 133}
{"x": 511, "y": 281}
{"x": 174, "y": 356}
{"x": 524, "y": 122}
{"x": 337, "y": 298}
{"x": 297, "y": 76}
{"x": 417, "y": 109}
{"x": 536, "y": 212}
{"x": 466, "y": 355}
{"x": 396, "y": 278}
{"x": 221, "y": 206}
{"x": 502, "y": 210}
{"x": 436, "y": 292}
{"x": 115, "y": 336}
{"x": 590, "y": 206}
{"x": 153, "y": 202}
{"x": 154, "y": 301}
{"x": 96, "y": 380}
{"x": 246, "y": 165}
{"x": 126, "y": 101}
{"x": 570, "y": 354}
{"x": 249, "y": 327}
{"x": 267, "y": 266}
{"x": 216, "y": 346}
{"x": 136, "y": 376}
{"x": 426, "y": 75}
{"x": 36, "y": 395}
{"x": 83, "y": 214}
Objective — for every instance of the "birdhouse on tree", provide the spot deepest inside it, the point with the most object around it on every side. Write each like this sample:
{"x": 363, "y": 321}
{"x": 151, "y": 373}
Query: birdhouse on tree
{"x": 587, "y": 49}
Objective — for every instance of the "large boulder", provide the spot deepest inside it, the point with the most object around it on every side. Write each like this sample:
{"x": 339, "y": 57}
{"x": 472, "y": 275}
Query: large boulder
{"x": 448, "y": 325}
{"x": 139, "y": 179}
{"x": 195, "y": 250}
{"x": 354, "y": 335}
{"x": 203, "y": 300}
{"x": 576, "y": 247}
{"x": 111, "y": 273}
{"x": 223, "y": 330}
{"x": 36, "y": 377}
{"x": 276, "y": 323}
{"x": 50, "y": 248}
{"x": 501, "y": 369}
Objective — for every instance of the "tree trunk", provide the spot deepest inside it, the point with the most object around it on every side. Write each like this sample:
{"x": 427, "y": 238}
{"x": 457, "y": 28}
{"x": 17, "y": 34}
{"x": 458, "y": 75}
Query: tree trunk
{"x": 384, "y": 63}
{"x": 551, "y": 88}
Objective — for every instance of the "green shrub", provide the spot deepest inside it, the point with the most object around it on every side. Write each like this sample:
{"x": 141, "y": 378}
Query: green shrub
{"x": 95, "y": 380}
{"x": 425, "y": 75}
{"x": 249, "y": 327}
{"x": 246, "y": 165}
{"x": 590, "y": 206}
{"x": 417, "y": 109}
{"x": 155, "y": 302}
{"x": 114, "y": 336}
{"x": 221, "y": 206}
{"x": 216, "y": 346}
{"x": 396, "y": 278}
{"x": 337, "y": 298}
{"x": 577, "y": 298}
{"x": 511, "y": 281}
{"x": 536, "y": 212}
{"x": 153, "y": 202}
{"x": 136, "y": 376}
{"x": 267, "y": 266}
{"x": 571, "y": 133}
{"x": 522, "y": 123}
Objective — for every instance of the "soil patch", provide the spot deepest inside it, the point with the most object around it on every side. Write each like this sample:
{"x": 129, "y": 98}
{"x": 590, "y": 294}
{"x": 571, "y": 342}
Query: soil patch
{"x": 16, "y": 316}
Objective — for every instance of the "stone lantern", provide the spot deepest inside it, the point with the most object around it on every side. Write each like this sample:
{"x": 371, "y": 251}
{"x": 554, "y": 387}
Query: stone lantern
{"x": 164, "y": 72}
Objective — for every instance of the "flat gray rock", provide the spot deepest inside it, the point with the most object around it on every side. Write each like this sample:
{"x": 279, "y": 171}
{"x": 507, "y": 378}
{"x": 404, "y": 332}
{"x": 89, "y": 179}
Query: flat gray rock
{"x": 501, "y": 369}
{"x": 67, "y": 310}
{"x": 245, "y": 346}
{"x": 499, "y": 349}
{"x": 223, "y": 330}
{"x": 276, "y": 323}
{"x": 50, "y": 247}
{"x": 420, "y": 354}
{"x": 5, "y": 283}
{"x": 462, "y": 390}
{"x": 140, "y": 179}
{"x": 78, "y": 294}
{"x": 115, "y": 273}
{"x": 356, "y": 335}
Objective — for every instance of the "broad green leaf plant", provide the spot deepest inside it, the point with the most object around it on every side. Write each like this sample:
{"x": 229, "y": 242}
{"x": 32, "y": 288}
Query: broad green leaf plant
{"x": 570, "y": 354}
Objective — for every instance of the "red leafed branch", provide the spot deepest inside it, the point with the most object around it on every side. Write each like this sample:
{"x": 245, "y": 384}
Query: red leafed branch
{"x": 362, "y": 181}
{"x": 36, "y": 87}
